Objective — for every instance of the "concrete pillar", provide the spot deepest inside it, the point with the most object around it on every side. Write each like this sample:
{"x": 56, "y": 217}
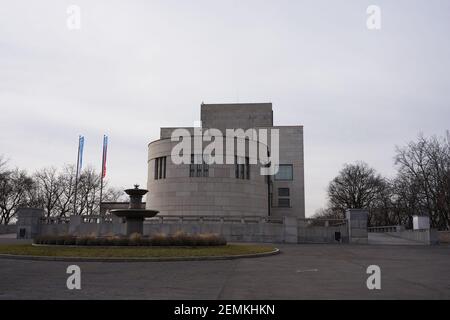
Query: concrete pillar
{"x": 290, "y": 230}
{"x": 74, "y": 224}
{"x": 29, "y": 222}
{"x": 119, "y": 227}
{"x": 357, "y": 225}
{"x": 135, "y": 225}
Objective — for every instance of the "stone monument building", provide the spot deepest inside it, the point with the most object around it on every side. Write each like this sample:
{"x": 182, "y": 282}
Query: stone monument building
{"x": 201, "y": 189}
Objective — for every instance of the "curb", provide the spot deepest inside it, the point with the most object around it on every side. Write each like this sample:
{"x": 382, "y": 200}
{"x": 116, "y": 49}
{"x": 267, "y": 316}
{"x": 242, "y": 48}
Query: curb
{"x": 162, "y": 259}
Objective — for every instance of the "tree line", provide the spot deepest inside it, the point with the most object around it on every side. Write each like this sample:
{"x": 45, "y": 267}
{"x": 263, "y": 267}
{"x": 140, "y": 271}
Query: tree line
{"x": 421, "y": 186}
{"x": 53, "y": 190}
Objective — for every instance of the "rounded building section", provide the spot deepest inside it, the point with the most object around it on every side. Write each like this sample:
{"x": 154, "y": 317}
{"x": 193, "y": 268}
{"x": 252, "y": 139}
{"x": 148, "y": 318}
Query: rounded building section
{"x": 202, "y": 189}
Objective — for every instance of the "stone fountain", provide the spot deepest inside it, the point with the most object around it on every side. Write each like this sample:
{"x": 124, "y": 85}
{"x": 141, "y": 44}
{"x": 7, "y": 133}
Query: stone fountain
{"x": 135, "y": 214}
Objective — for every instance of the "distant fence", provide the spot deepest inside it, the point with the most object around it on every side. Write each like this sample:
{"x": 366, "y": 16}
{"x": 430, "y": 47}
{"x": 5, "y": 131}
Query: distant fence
{"x": 425, "y": 236}
{"x": 322, "y": 231}
{"x": 384, "y": 229}
{"x": 9, "y": 228}
{"x": 217, "y": 219}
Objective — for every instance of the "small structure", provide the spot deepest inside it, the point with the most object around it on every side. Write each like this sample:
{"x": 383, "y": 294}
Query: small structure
{"x": 28, "y": 222}
{"x": 134, "y": 216}
{"x": 421, "y": 223}
{"x": 357, "y": 225}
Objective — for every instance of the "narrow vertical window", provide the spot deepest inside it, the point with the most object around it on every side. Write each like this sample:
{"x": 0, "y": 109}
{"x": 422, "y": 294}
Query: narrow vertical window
{"x": 160, "y": 168}
{"x": 242, "y": 168}
{"x": 192, "y": 167}
{"x": 205, "y": 166}
{"x": 236, "y": 167}
{"x": 198, "y": 164}
{"x": 156, "y": 168}
{"x": 241, "y": 171}
{"x": 247, "y": 168}
{"x": 164, "y": 165}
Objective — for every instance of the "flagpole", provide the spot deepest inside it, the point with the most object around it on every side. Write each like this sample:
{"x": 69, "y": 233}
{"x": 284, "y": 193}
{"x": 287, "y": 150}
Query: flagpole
{"x": 103, "y": 172}
{"x": 76, "y": 178}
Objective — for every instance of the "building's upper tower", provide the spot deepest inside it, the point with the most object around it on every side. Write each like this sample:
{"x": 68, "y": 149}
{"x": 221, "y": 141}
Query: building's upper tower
{"x": 236, "y": 115}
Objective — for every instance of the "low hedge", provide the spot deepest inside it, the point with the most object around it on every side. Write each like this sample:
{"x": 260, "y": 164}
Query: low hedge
{"x": 178, "y": 239}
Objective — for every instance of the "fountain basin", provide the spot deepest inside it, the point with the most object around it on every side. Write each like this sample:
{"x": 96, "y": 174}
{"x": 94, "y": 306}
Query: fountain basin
{"x": 134, "y": 216}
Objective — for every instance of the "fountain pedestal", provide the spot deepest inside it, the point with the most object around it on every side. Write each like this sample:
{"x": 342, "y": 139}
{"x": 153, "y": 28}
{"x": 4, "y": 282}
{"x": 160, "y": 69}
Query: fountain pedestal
{"x": 135, "y": 214}
{"x": 135, "y": 225}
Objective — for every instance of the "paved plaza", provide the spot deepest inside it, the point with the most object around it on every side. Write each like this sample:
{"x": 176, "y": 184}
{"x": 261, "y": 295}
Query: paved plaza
{"x": 299, "y": 272}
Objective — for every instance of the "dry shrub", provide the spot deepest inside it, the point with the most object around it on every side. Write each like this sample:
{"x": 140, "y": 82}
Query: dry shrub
{"x": 179, "y": 238}
{"x": 158, "y": 239}
{"x": 135, "y": 239}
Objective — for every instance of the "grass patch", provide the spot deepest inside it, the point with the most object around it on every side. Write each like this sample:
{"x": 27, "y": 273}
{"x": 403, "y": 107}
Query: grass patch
{"x": 134, "y": 252}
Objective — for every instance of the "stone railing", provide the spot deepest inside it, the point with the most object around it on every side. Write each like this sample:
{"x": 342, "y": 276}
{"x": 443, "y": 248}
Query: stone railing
{"x": 218, "y": 219}
{"x": 311, "y": 222}
{"x": 96, "y": 219}
{"x": 55, "y": 220}
{"x": 83, "y": 219}
{"x": 383, "y": 229}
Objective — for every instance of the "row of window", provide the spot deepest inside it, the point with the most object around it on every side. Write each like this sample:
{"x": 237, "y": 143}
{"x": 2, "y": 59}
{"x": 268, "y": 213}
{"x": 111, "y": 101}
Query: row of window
{"x": 200, "y": 168}
{"x": 242, "y": 171}
{"x": 242, "y": 168}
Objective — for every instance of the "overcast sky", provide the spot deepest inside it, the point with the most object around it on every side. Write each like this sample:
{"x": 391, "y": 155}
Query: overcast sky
{"x": 135, "y": 66}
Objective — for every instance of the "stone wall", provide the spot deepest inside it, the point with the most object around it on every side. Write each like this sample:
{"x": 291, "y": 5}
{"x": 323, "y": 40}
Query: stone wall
{"x": 424, "y": 236}
{"x": 238, "y": 228}
{"x": 9, "y": 228}
{"x": 239, "y": 232}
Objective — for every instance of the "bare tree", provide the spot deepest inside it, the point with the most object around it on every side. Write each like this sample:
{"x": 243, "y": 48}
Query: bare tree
{"x": 328, "y": 213}
{"x": 15, "y": 186}
{"x": 424, "y": 168}
{"x": 49, "y": 189}
{"x": 67, "y": 184}
{"x": 356, "y": 186}
{"x": 3, "y": 163}
{"x": 112, "y": 194}
{"x": 52, "y": 190}
{"x": 88, "y": 192}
